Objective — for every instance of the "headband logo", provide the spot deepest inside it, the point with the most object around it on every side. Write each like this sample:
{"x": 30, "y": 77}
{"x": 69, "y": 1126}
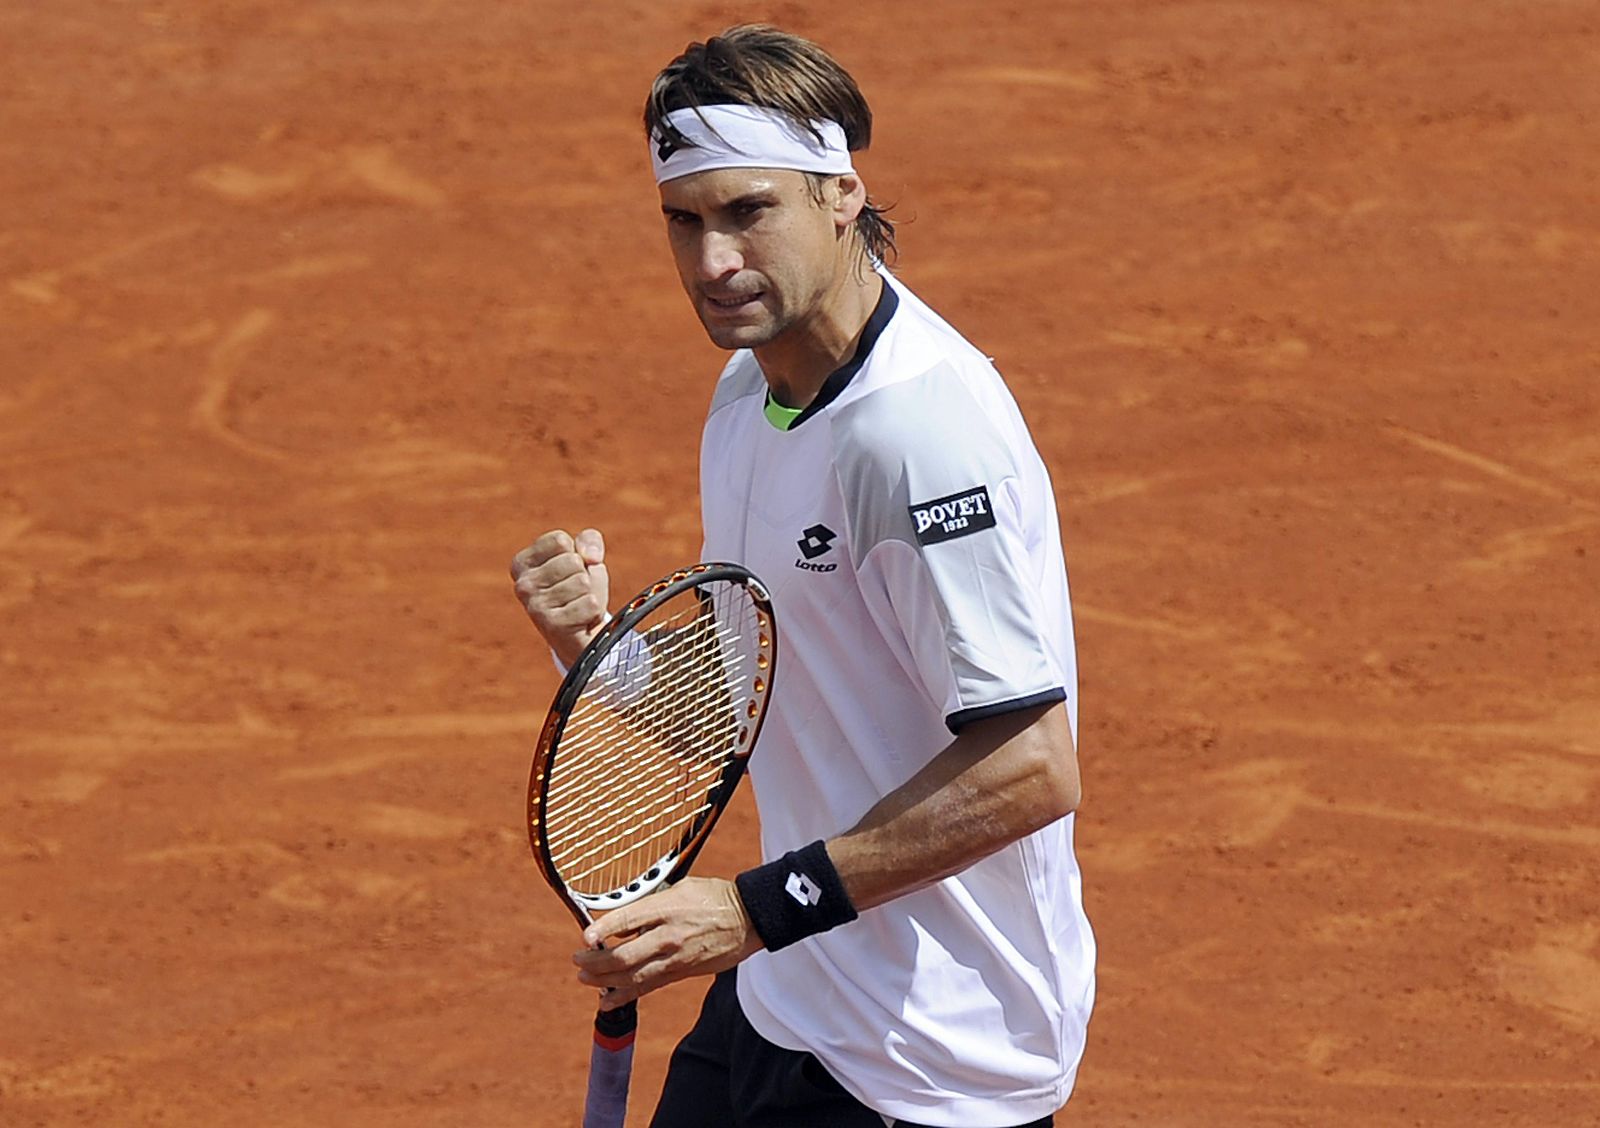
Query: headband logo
{"x": 666, "y": 148}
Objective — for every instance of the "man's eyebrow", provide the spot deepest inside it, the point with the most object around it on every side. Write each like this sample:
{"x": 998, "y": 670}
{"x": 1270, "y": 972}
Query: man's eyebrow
{"x": 755, "y": 196}
{"x": 758, "y": 196}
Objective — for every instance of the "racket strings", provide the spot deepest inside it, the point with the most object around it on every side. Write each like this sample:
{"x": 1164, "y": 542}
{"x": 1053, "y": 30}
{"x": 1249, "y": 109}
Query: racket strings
{"x": 667, "y": 794}
{"x": 623, "y": 683}
{"x": 648, "y": 741}
{"x": 658, "y": 785}
{"x": 597, "y": 725}
{"x": 642, "y": 759}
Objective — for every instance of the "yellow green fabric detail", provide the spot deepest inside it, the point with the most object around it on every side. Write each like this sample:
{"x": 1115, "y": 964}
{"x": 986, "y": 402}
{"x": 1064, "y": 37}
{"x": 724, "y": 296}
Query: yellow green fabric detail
{"x": 779, "y": 416}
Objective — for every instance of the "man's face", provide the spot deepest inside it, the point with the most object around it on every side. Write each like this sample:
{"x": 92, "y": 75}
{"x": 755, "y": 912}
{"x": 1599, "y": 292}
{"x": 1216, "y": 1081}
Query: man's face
{"x": 755, "y": 251}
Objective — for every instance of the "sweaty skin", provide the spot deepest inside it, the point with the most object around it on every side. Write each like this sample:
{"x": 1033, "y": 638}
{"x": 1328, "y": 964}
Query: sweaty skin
{"x": 768, "y": 268}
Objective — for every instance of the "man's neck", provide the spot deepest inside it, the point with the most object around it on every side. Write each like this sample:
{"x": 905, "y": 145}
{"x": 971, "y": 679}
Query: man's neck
{"x": 797, "y": 364}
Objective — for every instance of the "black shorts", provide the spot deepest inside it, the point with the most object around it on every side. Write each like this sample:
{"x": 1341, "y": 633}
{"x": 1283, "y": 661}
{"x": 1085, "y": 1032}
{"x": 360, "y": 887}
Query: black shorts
{"x": 725, "y": 1075}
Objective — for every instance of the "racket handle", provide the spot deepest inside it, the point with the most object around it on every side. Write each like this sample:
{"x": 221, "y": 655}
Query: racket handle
{"x": 611, "y": 1067}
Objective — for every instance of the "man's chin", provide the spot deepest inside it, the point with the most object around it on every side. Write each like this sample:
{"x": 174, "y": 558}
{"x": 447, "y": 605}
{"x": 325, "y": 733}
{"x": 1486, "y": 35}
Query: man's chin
{"x": 732, "y": 337}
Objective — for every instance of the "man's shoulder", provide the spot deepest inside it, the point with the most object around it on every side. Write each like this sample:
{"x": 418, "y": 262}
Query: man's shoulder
{"x": 914, "y": 441}
{"x": 919, "y": 356}
{"x": 924, "y": 390}
{"x": 921, "y": 338}
{"x": 929, "y": 410}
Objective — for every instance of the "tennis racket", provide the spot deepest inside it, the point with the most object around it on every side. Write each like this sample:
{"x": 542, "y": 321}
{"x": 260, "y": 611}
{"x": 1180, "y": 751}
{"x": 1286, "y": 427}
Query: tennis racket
{"x": 642, "y": 749}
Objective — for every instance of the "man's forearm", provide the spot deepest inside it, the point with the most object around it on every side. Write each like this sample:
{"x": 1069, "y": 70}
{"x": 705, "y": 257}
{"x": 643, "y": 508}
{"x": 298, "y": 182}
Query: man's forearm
{"x": 999, "y": 781}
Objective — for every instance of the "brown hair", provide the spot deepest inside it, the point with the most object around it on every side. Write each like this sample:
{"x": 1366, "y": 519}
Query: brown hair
{"x": 758, "y": 65}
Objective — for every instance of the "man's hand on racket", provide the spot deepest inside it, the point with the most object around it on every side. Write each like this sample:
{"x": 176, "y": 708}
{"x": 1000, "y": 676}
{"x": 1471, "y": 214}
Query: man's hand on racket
{"x": 562, "y": 583}
{"x": 697, "y": 927}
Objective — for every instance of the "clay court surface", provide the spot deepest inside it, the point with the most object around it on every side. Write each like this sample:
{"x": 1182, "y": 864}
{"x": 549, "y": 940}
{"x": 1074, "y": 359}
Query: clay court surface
{"x": 311, "y": 314}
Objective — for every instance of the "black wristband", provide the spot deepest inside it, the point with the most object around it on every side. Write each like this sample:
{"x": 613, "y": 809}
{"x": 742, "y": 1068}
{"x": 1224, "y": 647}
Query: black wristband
{"x": 795, "y": 896}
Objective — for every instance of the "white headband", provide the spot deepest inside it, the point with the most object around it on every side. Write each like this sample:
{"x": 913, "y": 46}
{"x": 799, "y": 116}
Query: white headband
{"x": 747, "y": 137}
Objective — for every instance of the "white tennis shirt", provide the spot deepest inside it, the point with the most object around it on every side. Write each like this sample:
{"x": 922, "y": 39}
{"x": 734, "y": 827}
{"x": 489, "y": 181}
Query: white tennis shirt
{"x": 906, "y": 528}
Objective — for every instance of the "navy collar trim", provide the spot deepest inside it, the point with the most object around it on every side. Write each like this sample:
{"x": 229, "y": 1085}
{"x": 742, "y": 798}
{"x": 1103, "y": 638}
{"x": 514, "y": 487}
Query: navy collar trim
{"x": 839, "y": 379}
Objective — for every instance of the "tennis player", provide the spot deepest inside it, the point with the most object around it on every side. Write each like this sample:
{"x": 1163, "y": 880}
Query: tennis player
{"x": 914, "y": 949}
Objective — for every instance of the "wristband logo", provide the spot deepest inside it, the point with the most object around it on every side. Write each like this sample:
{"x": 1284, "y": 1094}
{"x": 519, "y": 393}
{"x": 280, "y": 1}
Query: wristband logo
{"x": 802, "y": 889}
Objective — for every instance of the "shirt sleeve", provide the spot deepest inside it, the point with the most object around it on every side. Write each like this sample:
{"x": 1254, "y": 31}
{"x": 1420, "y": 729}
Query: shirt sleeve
{"x": 942, "y": 528}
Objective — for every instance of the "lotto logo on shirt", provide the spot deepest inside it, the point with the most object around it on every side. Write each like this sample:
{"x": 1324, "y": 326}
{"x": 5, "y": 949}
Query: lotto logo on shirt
{"x": 815, "y": 542}
{"x": 957, "y": 515}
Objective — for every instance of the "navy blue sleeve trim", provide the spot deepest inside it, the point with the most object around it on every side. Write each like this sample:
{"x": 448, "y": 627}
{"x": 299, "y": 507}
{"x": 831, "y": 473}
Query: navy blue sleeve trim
{"x": 961, "y": 718}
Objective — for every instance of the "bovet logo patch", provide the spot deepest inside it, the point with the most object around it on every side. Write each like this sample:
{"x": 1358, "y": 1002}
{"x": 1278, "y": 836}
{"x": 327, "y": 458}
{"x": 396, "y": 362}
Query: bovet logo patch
{"x": 957, "y": 515}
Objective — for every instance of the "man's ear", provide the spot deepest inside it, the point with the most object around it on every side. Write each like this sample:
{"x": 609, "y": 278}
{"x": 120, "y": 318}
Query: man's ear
{"x": 847, "y": 195}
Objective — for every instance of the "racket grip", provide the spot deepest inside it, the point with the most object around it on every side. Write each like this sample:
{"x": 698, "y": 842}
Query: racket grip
{"x": 610, "y": 1067}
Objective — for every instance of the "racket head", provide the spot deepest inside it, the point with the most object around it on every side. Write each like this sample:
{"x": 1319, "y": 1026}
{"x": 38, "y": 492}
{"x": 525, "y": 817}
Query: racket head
{"x": 649, "y": 735}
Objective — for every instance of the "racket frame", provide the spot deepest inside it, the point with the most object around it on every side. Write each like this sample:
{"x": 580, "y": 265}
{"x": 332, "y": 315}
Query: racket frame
{"x": 583, "y": 906}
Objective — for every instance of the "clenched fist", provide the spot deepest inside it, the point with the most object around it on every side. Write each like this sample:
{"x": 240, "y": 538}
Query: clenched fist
{"x": 562, "y": 583}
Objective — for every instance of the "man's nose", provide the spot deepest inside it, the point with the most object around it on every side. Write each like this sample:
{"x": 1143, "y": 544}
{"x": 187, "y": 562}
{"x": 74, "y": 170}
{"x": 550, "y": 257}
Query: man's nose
{"x": 720, "y": 255}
